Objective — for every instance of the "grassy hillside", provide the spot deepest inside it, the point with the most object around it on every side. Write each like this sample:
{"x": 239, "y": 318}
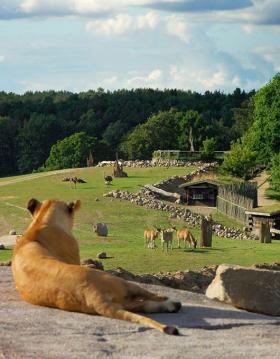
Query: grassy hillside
{"x": 126, "y": 222}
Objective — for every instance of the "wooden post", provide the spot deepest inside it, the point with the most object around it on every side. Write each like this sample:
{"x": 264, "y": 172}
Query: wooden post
{"x": 264, "y": 234}
{"x": 206, "y": 233}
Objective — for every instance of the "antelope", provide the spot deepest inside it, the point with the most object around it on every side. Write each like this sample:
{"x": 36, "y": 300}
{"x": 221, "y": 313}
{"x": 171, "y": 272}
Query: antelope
{"x": 185, "y": 235}
{"x": 150, "y": 236}
{"x": 167, "y": 238}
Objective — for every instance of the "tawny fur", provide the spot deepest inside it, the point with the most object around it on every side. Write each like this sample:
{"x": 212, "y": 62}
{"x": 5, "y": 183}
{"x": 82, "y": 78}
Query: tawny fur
{"x": 166, "y": 238}
{"x": 47, "y": 271}
{"x": 150, "y": 236}
{"x": 186, "y": 236}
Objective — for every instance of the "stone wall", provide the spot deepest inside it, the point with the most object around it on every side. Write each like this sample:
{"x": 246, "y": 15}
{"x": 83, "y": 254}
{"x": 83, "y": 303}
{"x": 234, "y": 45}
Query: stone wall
{"x": 152, "y": 163}
{"x": 148, "y": 199}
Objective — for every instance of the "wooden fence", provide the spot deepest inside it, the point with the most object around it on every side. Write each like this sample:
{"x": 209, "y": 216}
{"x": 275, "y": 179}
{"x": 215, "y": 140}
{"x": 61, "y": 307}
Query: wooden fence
{"x": 184, "y": 155}
{"x": 234, "y": 199}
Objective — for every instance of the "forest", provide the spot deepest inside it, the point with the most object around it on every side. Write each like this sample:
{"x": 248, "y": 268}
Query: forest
{"x": 132, "y": 122}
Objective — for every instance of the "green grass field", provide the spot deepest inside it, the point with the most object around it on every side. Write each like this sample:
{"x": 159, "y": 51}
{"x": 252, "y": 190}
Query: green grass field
{"x": 126, "y": 223}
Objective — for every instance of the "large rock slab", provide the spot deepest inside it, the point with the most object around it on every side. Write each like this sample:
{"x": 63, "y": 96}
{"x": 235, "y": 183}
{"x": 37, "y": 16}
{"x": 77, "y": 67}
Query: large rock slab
{"x": 208, "y": 329}
{"x": 8, "y": 240}
{"x": 256, "y": 290}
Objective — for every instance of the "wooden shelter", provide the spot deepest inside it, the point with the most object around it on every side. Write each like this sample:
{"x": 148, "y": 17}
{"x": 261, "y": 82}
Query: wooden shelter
{"x": 255, "y": 218}
{"x": 201, "y": 193}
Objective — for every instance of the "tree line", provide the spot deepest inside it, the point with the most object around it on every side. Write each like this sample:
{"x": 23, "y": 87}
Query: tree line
{"x": 133, "y": 122}
{"x": 259, "y": 146}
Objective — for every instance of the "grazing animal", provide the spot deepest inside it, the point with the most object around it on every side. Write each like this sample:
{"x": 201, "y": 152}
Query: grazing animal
{"x": 185, "y": 235}
{"x": 73, "y": 182}
{"x": 107, "y": 179}
{"x": 47, "y": 271}
{"x": 150, "y": 236}
{"x": 167, "y": 238}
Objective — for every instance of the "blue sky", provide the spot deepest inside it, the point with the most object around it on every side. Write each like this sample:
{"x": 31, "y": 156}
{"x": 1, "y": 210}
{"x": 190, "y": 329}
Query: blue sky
{"x": 79, "y": 45}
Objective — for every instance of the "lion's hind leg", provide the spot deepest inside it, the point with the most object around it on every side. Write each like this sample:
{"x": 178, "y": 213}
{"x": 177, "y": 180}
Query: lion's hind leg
{"x": 142, "y": 300}
{"x": 151, "y": 306}
{"x": 134, "y": 291}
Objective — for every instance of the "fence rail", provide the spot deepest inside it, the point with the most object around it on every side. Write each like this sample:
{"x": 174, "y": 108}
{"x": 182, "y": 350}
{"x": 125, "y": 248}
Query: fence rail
{"x": 234, "y": 199}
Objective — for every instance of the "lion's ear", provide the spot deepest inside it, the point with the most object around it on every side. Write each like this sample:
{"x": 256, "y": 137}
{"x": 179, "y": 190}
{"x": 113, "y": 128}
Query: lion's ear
{"x": 32, "y": 205}
{"x": 74, "y": 206}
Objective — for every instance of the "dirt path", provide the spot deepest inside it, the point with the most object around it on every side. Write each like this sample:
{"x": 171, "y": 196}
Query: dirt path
{"x": 37, "y": 175}
{"x": 262, "y": 181}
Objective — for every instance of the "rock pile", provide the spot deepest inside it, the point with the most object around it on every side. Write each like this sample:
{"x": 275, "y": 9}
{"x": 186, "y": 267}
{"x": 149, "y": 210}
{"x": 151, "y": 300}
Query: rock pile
{"x": 186, "y": 280}
{"x": 151, "y": 200}
{"x": 152, "y": 163}
{"x": 145, "y": 199}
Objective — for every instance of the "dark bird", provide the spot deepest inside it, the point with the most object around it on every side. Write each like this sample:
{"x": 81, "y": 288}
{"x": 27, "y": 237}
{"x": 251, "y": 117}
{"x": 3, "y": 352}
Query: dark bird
{"x": 108, "y": 179}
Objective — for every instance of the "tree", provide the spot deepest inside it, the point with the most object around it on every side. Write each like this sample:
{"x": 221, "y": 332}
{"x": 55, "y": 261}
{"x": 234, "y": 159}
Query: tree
{"x": 192, "y": 130}
{"x": 71, "y": 152}
{"x": 35, "y": 141}
{"x": 275, "y": 172}
{"x": 264, "y": 135}
{"x": 8, "y": 134}
{"x": 39, "y": 119}
{"x": 113, "y": 133}
{"x": 160, "y": 132}
{"x": 208, "y": 149}
{"x": 243, "y": 117}
{"x": 91, "y": 124}
{"x": 240, "y": 161}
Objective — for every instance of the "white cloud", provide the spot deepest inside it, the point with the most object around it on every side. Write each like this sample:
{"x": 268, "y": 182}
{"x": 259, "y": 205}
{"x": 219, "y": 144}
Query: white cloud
{"x": 271, "y": 55}
{"x": 177, "y": 27}
{"x": 152, "y": 80}
{"x": 76, "y": 7}
{"x": 261, "y": 12}
{"x": 201, "y": 71}
{"x": 122, "y": 23}
{"x": 46, "y": 7}
{"x": 248, "y": 29}
{"x": 2, "y": 58}
{"x": 150, "y": 20}
{"x": 110, "y": 81}
{"x": 117, "y": 25}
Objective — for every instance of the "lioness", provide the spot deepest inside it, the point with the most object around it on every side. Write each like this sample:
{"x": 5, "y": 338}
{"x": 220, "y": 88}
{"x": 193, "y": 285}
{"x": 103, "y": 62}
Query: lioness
{"x": 47, "y": 271}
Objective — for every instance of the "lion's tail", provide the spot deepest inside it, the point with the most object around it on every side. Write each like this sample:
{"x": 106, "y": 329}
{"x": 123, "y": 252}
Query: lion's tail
{"x": 114, "y": 311}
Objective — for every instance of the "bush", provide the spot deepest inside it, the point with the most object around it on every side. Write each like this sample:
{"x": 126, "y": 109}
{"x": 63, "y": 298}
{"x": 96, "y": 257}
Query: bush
{"x": 240, "y": 161}
{"x": 208, "y": 151}
{"x": 71, "y": 152}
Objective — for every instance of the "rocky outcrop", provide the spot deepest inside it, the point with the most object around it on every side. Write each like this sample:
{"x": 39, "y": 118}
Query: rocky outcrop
{"x": 255, "y": 290}
{"x": 186, "y": 280}
{"x": 208, "y": 330}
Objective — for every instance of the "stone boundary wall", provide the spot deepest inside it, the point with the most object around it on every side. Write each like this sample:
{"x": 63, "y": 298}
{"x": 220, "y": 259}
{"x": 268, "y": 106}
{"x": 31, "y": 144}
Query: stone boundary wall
{"x": 152, "y": 163}
{"x": 148, "y": 199}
